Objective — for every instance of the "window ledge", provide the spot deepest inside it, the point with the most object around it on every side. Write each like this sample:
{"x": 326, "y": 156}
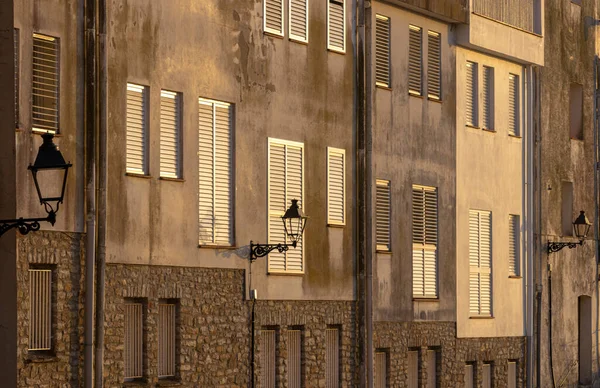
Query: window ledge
{"x": 515, "y": 277}
{"x": 273, "y": 34}
{"x": 488, "y": 130}
{"x": 415, "y": 94}
{"x": 208, "y": 246}
{"x": 296, "y": 40}
{"x": 417, "y": 299}
{"x": 166, "y": 178}
{"x": 336, "y": 225}
{"x": 337, "y": 51}
{"x": 433, "y": 99}
{"x": 40, "y": 358}
{"x": 472, "y": 126}
{"x": 384, "y": 252}
{"x": 481, "y": 317}
{"x": 575, "y": 139}
{"x": 518, "y": 137}
{"x": 134, "y": 175}
{"x": 384, "y": 87}
{"x": 285, "y": 273}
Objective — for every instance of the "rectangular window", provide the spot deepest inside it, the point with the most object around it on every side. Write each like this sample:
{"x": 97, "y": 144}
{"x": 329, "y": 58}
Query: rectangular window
{"x": 514, "y": 246}
{"x": 268, "y": 352}
{"x": 480, "y": 262}
{"x": 513, "y": 105}
{"x": 134, "y": 339}
{"x": 332, "y": 358}
{"x": 336, "y": 26}
{"x": 273, "y": 16}
{"x": 487, "y": 111}
{"x": 40, "y": 309}
{"x": 512, "y": 374}
{"x": 576, "y": 111}
{"x": 425, "y": 230}
{"x": 298, "y": 20}
{"x": 567, "y": 208}
{"x": 294, "y": 366}
{"x": 336, "y": 195}
{"x": 383, "y": 215}
{"x": 137, "y": 129}
{"x": 381, "y": 369}
{"x": 170, "y": 134}
{"x": 486, "y": 375}
{"x": 470, "y": 375}
{"x": 413, "y": 369}
{"x": 286, "y": 182}
{"x": 167, "y": 338}
{"x": 471, "y": 105}
{"x": 432, "y": 368}
{"x": 382, "y": 51}
{"x": 415, "y": 60}
{"x": 45, "y": 84}
{"x": 17, "y": 58}
{"x": 434, "y": 65}
{"x": 215, "y": 209}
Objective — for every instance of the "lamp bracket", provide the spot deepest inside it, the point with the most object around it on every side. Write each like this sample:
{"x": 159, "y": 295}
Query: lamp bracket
{"x": 26, "y": 225}
{"x": 555, "y": 246}
{"x": 261, "y": 250}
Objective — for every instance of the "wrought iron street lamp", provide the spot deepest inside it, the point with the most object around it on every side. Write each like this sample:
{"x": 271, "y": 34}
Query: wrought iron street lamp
{"x": 581, "y": 226}
{"x": 49, "y": 172}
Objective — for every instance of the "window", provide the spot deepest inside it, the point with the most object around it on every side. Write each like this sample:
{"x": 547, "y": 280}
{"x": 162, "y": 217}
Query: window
{"x": 268, "y": 352}
{"x": 415, "y": 60}
{"x": 413, "y": 369}
{"x": 383, "y": 215}
{"x": 137, "y": 129}
{"x": 382, "y": 51}
{"x": 273, "y": 16}
{"x": 381, "y": 369}
{"x": 336, "y": 26}
{"x": 512, "y": 374}
{"x": 336, "y": 196}
{"x": 167, "y": 338}
{"x": 576, "y": 111}
{"x": 41, "y": 298}
{"x": 567, "y": 208}
{"x": 425, "y": 230}
{"x": 470, "y": 375}
{"x": 471, "y": 107}
{"x": 585, "y": 340}
{"x": 513, "y": 105}
{"x": 17, "y": 74}
{"x": 480, "y": 262}
{"x": 434, "y": 65}
{"x": 514, "y": 246}
{"x": 294, "y": 366}
{"x": 432, "y": 368}
{"x": 487, "y": 111}
{"x": 170, "y": 134}
{"x": 45, "y": 84}
{"x": 332, "y": 357}
{"x": 215, "y": 213}
{"x": 286, "y": 182}
{"x": 134, "y": 339}
{"x": 487, "y": 375}
{"x": 298, "y": 20}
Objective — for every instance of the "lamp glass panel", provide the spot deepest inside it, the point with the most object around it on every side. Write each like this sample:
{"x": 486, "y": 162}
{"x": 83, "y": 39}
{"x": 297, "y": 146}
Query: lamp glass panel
{"x": 50, "y": 183}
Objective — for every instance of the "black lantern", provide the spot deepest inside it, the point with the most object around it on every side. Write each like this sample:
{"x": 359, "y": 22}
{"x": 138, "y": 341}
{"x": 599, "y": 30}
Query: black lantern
{"x": 581, "y": 226}
{"x": 294, "y": 222}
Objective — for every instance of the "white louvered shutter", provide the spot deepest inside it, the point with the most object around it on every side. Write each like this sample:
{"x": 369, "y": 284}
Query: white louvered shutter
{"x": 513, "y": 105}
{"x": 137, "y": 129}
{"x": 17, "y": 74}
{"x": 383, "y": 215}
{"x": 298, "y": 20}
{"x": 487, "y": 108}
{"x": 170, "y": 134}
{"x": 415, "y": 60}
{"x": 336, "y": 196}
{"x": 215, "y": 173}
{"x": 286, "y": 169}
{"x": 480, "y": 262}
{"x": 514, "y": 245}
{"x": 434, "y": 65}
{"x": 45, "y": 84}
{"x": 382, "y": 51}
{"x": 471, "y": 107}
{"x": 273, "y": 16}
{"x": 425, "y": 230}
{"x": 336, "y": 26}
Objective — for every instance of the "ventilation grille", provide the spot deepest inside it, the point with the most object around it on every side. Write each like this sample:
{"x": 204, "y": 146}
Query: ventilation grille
{"x": 137, "y": 129}
{"x": 336, "y": 27}
{"x": 415, "y": 60}
{"x": 382, "y": 50}
{"x": 434, "y": 65}
{"x": 45, "y": 84}
{"x": 40, "y": 309}
{"x": 383, "y": 215}
{"x": 170, "y": 134}
{"x": 166, "y": 339}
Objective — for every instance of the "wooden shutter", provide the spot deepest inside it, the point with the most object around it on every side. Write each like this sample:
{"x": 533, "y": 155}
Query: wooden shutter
{"x": 294, "y": 365}
{"x": 336, "y": 26}
{"x": 273, "y": 16}
{"x": 336, "y": 195}
{"x": 382, "y": 50}
{"x": 487, "y": 109}
{"x": 45, "y": 84}
{"x": 286, "y": 170}
{"x": 170, "y": 134}
{"x": 298, "y": 20}
{"x": 215, "y": 172}
{"x": 487, "y": 376}
{"x": 167, "y": 346}
{"x": 137, "y": 129}
{"x": 432, "y": 368}
{"x": 471, "y": 94}
{"x": 425, "y": 230}
{"x": 380, "y": 370}
{"x": 434, "y": 65}
{"x": 512, "y": 374}
{"x": 469, "y": 376}
{"x": 332, "y": 358}
{"x": 134, "y": 340}
{"x": 415, "y": 60}
{"x": 480, "y": 276}
{"x": 267, "y": 352}
{"x": 513, "y": 105}
{"x": 383, "y": 215}
{"x": 413, "y": 369}
{"x": 513, "y": 245}
{"x": 40, "y": 309}
{"x": 17, "y": 74}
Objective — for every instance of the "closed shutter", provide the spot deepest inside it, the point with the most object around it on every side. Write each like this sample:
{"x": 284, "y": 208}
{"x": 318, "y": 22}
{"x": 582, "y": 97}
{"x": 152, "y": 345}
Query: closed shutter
{"x": 432, "y": 368}
{"x": 137, "y": 129}
{"x": 513, "y": 105}
{"x": 380, "y": 370}
{"x": 487, "y": 109}
{"x": 512, "y": 374}
{"x": 382, "y": 51}
{"x": 134, "y": 341}
{"x": 486, "y": 376}
{"x": 336, "y": 196}
{"x": 425, "y": 230}
{"x": 299, "y": 20}
{"x": 45, "y": 84}
{"x": 294, "y": 365}
{"x": 434, "y": 65}
{"x": 413, "y": 369}
{"x": 513, "y": 245}
{"x": 215, "y": 172}
{"x": 469, "y": 376}
{"x": 336, "y": 26}
{"x": 383, "y": 215}
{"x": 267, "y": 351}
{"x": 170, "y": 134}
{"x": 17, "y": 74}
{"x": 415, "y": 60}
{"x": 273, "y": 16}
{"x": 40, "y": 309}
{"x": 480, "y": 276}
{"x": 471, "y": 94}
{"x": 332, "y": 358}
{"x": 166, "y": 339}
{"x": 286, "y": 169}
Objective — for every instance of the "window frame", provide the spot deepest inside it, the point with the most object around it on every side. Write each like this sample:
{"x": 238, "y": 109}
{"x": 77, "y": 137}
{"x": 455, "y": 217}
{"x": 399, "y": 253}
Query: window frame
{"x": 329, "y": 46}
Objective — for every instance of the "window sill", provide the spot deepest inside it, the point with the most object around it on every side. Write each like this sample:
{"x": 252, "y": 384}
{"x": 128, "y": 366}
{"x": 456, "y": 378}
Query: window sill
{"x": 415, "y": 94}
{"x": 488, "y": 130}
{"x": 329, "y": 225}
{"x": 302, "y": 42}
{"x": 273, "y": 34}
{"x": 168, "y": 179}
{"x": 575, "y": 139}
{"x": 134, "y": 175}
{"x": 515, "y": 277}
{"x": 40, "y": 132}
{"x": 337, "y": 51}
{"x": 285, "y": 273}
{"x": 383, "y": 252}
{"x": 481, "y": 317}
{"x": 208, "y": 246}
{"x": 518, "y": 137}
{"x": 40, "y": 358}
{"x": 434, "y": 300}
{"x": 433, "y": 99}
{"x": 472, "y": 126}
{"x": 384, "y": 87}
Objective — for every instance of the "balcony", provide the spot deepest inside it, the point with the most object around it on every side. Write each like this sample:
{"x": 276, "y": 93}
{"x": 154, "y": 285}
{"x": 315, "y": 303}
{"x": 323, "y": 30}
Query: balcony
{"x": 516, "y": 13}
{"x": 454, "y": 11}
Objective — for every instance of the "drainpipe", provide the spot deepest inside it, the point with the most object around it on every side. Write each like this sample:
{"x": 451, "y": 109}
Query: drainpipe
{"x": 538, "y": 227}
{"x": 596, "y": 204}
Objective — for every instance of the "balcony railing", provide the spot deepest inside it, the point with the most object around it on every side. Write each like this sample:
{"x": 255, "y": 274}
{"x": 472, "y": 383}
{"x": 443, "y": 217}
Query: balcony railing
{"x": 517, "y": 13}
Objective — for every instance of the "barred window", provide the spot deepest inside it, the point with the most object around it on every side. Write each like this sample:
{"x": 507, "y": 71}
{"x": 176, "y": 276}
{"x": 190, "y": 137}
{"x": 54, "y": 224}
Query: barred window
{"x": 134, "y": 339}
{"x": 167, "y": 338}
{"x": 40, "y": 309}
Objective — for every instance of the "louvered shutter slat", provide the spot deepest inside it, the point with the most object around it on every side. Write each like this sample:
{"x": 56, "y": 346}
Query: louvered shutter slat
{"x": 299, "y": 20}
{"x": 513, "y": 105}
{"x": 336, "y": 27}
{"x": 471, "y": 94}
{"x": 136, "y": 129}
{"x": 335, "y": 191}
{"x": 434, "y": 65}
{"x": 273, "y": 18}
{"x": 415, "y": 59}
{"x": 169, "y": 134}
{"x": 488, "y": 101}
{"x": 383, "y": 215}
{"x": 382, "y": 50}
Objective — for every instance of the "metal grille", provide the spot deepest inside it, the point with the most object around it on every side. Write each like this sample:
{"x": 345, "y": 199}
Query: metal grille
{"x": 336, "y": 26}
{"x": 469, "y": 376}
{"x": 413, "y": 369}
{"x": 299, "y": 20}
{"x": 513, "y": 105}
{"x": 268, "y": 358}
{"x": 434, "y": 65}
{"x": 480, "y": 275}
{"x": 137, "y": 129}
{"x": 40, "y": 309}
{"x": 294, "y": 343}
{"x": 45, "y": 84}
{"x": 425, "y": 230}
{"x": 383, "y": 215}
{"x": 167, "y": 339}
{"x": 487, "y": 376}
{"x": 17, "y": 74}
{"x": 332, "y": 358}
{"x": 487, "y": 109}
{"x": 382, "y": 50}
{"x": 514, "y": 226}
{"x": 380, "y": 370}
{"x": 170, "y": 134}
{"x": 134, "y": 340}
{"x": 517, "y": 13}
{"x": 415, "y": 60}
{"x": 471, "y": 107}
{"x": 512, "y": 374}
{"x": 432, "y": 368}
{"x": 273, "y": 16}
{"x": 336, "y": 208}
